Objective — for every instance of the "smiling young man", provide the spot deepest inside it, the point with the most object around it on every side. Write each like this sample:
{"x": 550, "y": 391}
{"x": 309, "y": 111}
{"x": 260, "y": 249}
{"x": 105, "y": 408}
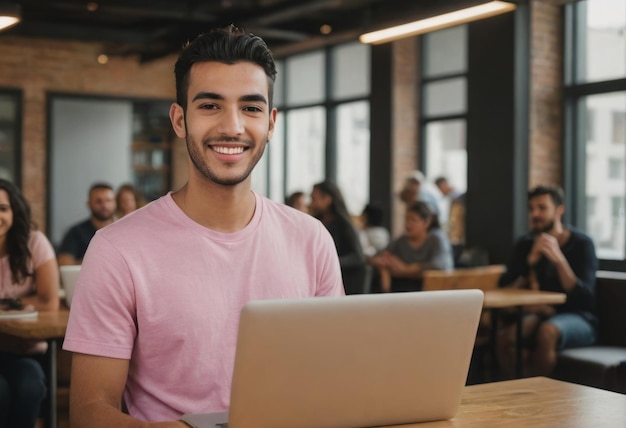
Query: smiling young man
{"x": 551, "y": 257}
{"x": 156, "y": 308}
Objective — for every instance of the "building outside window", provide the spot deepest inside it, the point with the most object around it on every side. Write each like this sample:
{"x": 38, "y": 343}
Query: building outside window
{"x": 444, "y": 109}
{"x": 595, "y": 96}
{"x": 322, "y": 129}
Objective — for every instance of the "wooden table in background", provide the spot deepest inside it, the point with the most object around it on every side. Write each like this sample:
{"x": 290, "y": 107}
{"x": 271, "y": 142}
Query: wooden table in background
{"x": 48, "y": 326}
{"x": 537, "y": 402}
{"x": 515, "y": 298}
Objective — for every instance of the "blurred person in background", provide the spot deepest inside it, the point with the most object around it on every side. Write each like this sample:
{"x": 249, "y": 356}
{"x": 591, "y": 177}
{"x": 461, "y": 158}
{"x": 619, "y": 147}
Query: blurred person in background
{"x": 328, "y": 205}
{"x": 423, "y": 246}
{"x": 374, "y": 235}
{"x": 298, "y": 201}
{"x": 128, "y": 199}
{"x": 415, "y": 189}
{"x": 29, "y": 279}
{"x": 101, "y": 203}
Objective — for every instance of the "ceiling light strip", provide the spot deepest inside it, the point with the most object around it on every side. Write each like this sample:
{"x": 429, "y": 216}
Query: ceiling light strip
{"x": 438, "y": 22}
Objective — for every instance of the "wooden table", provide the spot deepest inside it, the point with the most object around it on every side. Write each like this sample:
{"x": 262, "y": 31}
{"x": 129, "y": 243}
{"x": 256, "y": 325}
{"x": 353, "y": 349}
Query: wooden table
{"x": 48, "y": 326}
{"x": 503, "y": 298}
{"x": 537, "y": 402}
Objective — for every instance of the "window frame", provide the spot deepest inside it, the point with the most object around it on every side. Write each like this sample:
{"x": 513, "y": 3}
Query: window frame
{"x": 17, "y": 96}
{"x": 574, "y": 147}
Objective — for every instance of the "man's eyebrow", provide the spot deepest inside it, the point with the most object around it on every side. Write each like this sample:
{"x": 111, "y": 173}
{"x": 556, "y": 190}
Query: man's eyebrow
{"x": 207, "y": 96}
{"x": 215, "y": 96}
{"x": 254, "y": 97}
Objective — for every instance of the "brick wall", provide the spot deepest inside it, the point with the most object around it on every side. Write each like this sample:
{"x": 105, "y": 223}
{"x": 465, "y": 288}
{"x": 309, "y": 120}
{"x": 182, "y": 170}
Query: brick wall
{"x": 38, "y": 67}
{"x": 546, "y": 98}
{"x": 405, "y": 122}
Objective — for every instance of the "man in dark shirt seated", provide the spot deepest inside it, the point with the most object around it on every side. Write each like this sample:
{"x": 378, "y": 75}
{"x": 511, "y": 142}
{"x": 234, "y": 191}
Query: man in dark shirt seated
{"x": 551, "y": 257}
{"x": 102, "y": 205}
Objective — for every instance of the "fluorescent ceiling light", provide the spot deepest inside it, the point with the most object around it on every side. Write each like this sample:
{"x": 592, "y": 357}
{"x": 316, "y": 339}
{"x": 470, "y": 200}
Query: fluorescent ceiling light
{"x": 438, "y": 22}
{"x": 9, "y": 16}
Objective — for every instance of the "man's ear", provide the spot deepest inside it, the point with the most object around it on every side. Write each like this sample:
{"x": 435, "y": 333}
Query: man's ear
{"x": 560, "y": 210}
{"x": 177, "y": 117}
{"x": 272, "y": 124}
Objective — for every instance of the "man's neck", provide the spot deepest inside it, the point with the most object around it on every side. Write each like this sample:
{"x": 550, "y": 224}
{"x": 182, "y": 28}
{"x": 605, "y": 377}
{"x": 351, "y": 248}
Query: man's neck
{"x": 225, "y": 209}
{"x": 560, "y": 233}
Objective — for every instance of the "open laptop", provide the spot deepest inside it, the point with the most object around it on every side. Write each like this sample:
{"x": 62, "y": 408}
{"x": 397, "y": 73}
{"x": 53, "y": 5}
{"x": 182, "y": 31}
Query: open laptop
{"x": 354, "y": 361}
{"x": 69, "y": 275}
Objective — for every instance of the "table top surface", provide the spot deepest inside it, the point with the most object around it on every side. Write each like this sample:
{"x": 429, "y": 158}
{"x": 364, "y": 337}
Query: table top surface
{"x": 47, "y": 325}
{"x": 511, "y": 297}
{"x": 537, "y": 402}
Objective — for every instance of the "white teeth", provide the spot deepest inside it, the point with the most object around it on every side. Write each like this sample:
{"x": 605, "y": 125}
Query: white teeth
{"x": 228, "y": 150}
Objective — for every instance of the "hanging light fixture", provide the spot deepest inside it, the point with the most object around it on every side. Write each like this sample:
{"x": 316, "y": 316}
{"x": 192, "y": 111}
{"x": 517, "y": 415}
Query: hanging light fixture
{"x": 438, "y": 22}
{"x": 9, "y": 15}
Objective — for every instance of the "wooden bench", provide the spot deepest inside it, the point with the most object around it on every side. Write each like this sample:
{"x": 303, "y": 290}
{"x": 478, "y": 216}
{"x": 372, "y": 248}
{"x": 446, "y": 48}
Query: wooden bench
{"x": 602, "y": 365}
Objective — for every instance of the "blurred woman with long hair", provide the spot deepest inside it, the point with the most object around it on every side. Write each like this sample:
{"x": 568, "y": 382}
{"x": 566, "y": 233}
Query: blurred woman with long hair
{"x": 328, "y": 205}
{"x": 29, "y": 278}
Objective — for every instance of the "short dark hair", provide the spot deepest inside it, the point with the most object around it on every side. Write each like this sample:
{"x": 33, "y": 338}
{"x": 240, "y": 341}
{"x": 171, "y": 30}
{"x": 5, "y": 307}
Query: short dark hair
{"x": 227, "y": 45}
{"x": 424, "y": 210}
{"x": 374, "y": 214}
{"x": 100, "y": 186}
{"x": 555, "y": 192}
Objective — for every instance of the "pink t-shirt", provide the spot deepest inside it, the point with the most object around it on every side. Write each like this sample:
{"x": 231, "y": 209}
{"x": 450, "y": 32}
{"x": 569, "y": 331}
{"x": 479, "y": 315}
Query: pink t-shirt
{"x": 41, "y": 251}
{"x": 165, "y": 292}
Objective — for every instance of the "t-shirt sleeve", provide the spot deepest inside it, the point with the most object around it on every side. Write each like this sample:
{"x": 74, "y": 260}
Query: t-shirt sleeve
{"x": 41, "y": 249}
{"x": 102, "y": 316}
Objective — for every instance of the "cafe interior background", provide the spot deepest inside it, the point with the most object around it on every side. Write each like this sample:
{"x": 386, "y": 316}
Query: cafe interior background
{"x": 536, "y": 94}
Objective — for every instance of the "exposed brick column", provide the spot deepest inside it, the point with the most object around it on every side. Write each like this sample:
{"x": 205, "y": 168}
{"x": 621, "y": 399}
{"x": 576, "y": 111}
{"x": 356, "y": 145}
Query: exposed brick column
{"x": 546, "y": 97}
{"x": 405, "y": 114}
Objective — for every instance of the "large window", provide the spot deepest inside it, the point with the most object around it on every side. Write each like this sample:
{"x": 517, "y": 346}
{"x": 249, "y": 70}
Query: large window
{"x": 595, "y": 92}
{"x": 322, "y": 129}
{"x": 10, "y": 139}
{"x": 444, "y": 108}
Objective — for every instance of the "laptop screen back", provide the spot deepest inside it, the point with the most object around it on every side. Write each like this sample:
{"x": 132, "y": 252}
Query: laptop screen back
{"x": 354, "y": 361}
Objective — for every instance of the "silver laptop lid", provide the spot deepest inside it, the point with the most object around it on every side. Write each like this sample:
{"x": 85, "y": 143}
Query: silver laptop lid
{"x": 354, "y": 361}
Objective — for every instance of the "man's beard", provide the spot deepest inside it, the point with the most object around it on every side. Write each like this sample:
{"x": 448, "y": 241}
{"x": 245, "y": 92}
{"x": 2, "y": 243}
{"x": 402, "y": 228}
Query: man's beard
{"x": 196, "y": 158}
{"x": 546, "y": 229}
{"x": 100, "y": 216}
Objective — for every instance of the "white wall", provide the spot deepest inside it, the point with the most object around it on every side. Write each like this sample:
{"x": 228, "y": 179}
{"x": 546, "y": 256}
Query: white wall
{"x": 90, "y": 141}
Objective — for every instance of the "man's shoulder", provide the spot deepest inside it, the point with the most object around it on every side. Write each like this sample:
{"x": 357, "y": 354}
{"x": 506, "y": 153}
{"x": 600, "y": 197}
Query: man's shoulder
{"x": 578, "y": 234}
{"x": 578, "y": 237}
{"x": 287, "y": 215}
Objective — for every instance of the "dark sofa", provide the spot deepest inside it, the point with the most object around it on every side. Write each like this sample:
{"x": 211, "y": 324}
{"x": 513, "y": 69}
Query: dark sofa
{"x": 602, "y": 365}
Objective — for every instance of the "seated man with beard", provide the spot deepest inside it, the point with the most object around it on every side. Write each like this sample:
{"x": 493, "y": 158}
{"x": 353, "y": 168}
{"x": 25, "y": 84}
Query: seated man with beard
{"x": 102, "y": 205}
{"x": 551, "y": 257}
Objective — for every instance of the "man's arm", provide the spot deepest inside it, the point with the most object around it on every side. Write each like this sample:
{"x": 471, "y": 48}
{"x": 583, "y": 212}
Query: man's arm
{"x": 47, "y": 279}
{"x": 549, "y": 246}
{"x": 96, "y": 394}
{"x": 517, "y": 270}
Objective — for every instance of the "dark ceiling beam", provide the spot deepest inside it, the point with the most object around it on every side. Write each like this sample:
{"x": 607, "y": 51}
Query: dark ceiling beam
{"x": 179, "y": 13}
{"x": 296, "y": 11}
{"x": 82, "y": 33}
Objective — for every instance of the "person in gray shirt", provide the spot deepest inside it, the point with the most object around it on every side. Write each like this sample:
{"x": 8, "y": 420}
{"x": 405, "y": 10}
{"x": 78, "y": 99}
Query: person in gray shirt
{"x": 422, "y": 247}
